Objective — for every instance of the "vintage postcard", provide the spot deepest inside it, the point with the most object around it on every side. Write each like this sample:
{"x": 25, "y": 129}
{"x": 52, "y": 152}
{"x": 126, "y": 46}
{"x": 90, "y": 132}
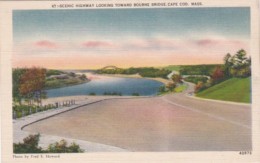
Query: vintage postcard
{"x": 129, "y": 81}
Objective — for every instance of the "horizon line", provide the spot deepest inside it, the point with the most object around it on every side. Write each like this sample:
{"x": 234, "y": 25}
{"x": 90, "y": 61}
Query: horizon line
{"x": 119, "y": 67}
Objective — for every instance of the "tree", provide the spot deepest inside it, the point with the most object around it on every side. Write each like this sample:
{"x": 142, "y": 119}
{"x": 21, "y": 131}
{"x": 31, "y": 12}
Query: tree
{"x": 227, "y": 64}
{"x": 32, "y": 84}
{"x": 237, "y": 65}
{"x": 176, "y": 78}
{"x": 16, "y": 76}
{"x": 217, "y": 75}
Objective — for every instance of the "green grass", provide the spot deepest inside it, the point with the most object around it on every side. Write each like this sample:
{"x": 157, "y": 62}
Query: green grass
{"x": 172, "y": 68}
{"x": 196, "y": 79}
{"x": 180, "y": 88}
{"x": 235, "y": 89}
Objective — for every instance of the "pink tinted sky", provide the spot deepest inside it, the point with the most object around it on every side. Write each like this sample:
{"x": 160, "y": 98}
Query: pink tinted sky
{"x": 90, "y": 39}
{"x": 130, "y": 52}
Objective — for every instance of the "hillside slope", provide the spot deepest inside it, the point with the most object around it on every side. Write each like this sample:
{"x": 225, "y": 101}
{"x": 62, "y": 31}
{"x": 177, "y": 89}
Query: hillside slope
{"x": 235, "y": 89}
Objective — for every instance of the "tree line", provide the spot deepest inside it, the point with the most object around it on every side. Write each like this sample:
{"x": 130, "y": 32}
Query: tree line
{"x": 143, "y": 71}
{"x": 234, "y": 66}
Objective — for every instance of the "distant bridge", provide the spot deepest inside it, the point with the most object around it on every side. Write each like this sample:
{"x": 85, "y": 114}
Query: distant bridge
{"x": 110, "y": 67}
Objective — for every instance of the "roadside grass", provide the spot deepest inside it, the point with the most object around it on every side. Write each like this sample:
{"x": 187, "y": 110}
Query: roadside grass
{"x": 180, "y": 88}
{"x": 235, "y": 89}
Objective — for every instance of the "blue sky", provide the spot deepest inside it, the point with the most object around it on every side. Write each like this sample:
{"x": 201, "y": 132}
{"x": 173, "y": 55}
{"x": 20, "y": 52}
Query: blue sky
{"x": 105, "y": 29}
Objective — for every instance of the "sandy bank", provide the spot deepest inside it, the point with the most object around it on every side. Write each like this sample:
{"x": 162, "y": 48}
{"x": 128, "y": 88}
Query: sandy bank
{"x": 102, "y": 76}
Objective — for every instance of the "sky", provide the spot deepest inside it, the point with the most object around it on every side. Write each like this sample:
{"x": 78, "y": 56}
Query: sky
{"x": 94, "y": 38}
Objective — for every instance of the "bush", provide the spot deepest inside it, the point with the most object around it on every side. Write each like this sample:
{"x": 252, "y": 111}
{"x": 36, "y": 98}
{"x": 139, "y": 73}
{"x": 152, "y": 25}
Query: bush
{"x": 30, "y": 145}
{"x": 112, "y": 93}
{"x": 162, "y": 89}
{"x": 135, "y": 94}
{"x": 61, "y": 147}
{"x": 170, "y": 86}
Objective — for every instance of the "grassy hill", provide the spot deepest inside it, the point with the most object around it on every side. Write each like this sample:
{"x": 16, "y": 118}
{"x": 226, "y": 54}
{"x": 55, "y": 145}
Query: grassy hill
{"x": 172, "y": 67}
{"x": 235, "y": 89}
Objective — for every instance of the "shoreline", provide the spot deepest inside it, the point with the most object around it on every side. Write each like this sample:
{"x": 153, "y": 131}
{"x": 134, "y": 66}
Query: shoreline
{"x": 94, "y": 76}
{"x": 68, "y": 85}
{"x": 137, "y": 76}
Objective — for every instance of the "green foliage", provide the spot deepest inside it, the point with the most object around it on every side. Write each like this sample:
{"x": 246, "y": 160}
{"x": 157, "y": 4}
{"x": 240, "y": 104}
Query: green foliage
{"x": 112, "y": 94}
{"x": 196, "y": 79}
{"x": 162, "y": 89}
{"x": 62, "y": 147}
{"x": 92, "y": 94}
{"x": 237, "y": 65}
{"x": 172, "y": 68}
{"x": 200, "y": 86}
{"x": 135, "y": 94}
{"x": 83, "y": 77}
{"x": 27, "y": 110}
{"x": 31, "y": 84}
{"x": 153, "y": 72}
{"x": 170, "y": 86}
{"x": 30, "y": 145}
{"x": 16, "y": 77}
{"x": 197, "y": 69}
{"x": 218, "y": 75}
{"x": 180, "y": 88}
{"x": 53, "y": 72}
{"x": 234, "y": 89}
{"x": 176, "y": 78}
{"x": 144, "y": 72}
{"x": 58, "y": 83}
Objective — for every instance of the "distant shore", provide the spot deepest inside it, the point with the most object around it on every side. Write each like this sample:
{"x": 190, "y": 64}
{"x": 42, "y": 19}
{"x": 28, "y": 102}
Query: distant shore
{"x": 164, "y": 81}
{"x": 67, "y": 85}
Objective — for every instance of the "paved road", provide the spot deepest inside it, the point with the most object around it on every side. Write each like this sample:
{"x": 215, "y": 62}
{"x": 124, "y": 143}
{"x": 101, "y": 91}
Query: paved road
{"x": 172, "y": 122}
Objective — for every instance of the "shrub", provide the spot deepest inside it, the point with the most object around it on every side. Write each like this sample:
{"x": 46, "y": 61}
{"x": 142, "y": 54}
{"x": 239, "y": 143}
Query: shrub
{"x": 162, "y": 89}
{"x": 199, "y": 87}
{"x": 135, "y": 94}
{"x": 112, "y": 94}
{"x": 61, "y": 147}
{"x": 170, "y": 86}
{"x": 30, "y": 145}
